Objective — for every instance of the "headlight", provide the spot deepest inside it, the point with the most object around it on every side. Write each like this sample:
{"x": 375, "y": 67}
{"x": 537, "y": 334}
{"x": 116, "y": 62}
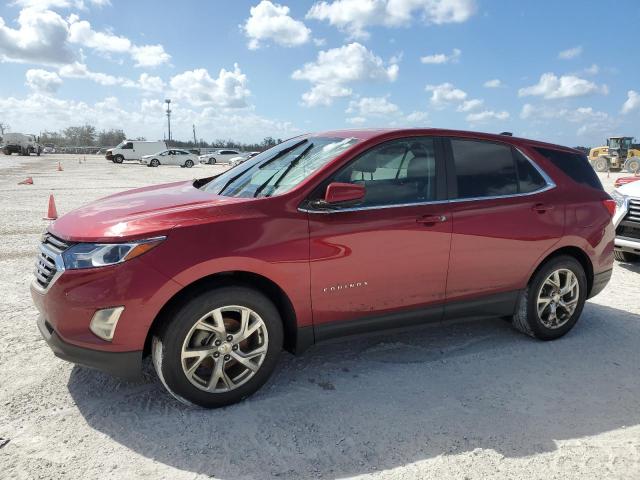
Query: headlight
{"x": 619, "y": 198}
{"x": 92, "y": 255}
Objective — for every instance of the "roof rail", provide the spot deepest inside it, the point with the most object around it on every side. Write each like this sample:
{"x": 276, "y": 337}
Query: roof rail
{"x": 508, "y": 134}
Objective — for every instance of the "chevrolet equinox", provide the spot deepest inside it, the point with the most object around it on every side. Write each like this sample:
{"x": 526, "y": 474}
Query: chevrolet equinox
{"x": 323, "y": 235}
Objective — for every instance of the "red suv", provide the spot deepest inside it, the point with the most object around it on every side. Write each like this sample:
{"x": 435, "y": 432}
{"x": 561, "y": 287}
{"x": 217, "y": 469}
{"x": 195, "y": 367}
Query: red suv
{"x": 324, "y": 235}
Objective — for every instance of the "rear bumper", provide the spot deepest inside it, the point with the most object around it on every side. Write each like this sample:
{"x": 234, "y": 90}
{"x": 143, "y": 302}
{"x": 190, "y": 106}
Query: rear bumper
{"x": 600, "y": 280}
{"x": 121, "y": 364}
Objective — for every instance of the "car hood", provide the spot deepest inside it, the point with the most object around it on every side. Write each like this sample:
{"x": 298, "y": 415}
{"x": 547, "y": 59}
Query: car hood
{"x": 631, "y": 189}
{"x": 142, "y": 212}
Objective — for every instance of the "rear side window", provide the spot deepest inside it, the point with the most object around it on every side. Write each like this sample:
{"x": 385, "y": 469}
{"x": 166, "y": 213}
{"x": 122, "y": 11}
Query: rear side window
{"x": 484, "y": 169}
{"x": 529, "y": 177}
{"x": 574, "y": 165}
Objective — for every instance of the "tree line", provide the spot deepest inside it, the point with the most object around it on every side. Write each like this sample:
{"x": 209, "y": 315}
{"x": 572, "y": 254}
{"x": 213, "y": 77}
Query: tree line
{"x": 89, "y": 136}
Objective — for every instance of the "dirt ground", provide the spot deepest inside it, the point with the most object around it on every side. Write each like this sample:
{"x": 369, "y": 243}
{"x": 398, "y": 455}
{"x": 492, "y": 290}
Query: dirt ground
{"x": 467, "y": 400}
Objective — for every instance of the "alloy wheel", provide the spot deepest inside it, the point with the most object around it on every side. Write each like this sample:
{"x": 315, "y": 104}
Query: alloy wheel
{"x": 224, "y": 349}
{"x": 558, "y": 298}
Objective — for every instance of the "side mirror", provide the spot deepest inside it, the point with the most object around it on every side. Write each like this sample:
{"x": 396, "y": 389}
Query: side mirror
{"x": 343, "y": 193}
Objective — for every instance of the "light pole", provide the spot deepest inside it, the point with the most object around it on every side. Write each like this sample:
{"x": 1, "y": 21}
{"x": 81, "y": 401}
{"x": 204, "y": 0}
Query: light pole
{"x": 168, "y": 102}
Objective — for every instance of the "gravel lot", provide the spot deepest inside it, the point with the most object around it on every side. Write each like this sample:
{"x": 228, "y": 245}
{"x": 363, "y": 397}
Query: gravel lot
{"x": 466, "y": 400}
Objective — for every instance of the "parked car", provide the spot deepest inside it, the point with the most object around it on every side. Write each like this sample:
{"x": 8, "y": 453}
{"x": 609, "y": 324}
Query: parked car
{"x": 243, "y": 158}
{"x": 133, "y": 150}
{"x": 172, "y": 156}
{"x": 627, "y": 222}
{"x": 323, "y": 235}
{"x": 219, "y": 156}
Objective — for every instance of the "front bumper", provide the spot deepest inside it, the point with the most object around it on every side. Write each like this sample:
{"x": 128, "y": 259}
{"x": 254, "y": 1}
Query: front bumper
{"x": 121, "y": 364}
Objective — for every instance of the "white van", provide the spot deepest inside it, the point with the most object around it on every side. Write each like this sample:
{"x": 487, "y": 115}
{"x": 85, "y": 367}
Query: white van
{"x": 134, "y": 150}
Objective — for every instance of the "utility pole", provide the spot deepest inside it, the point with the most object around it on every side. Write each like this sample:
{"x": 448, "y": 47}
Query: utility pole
{"x": 168, "y": 102}
{"x": 195, "y": 142}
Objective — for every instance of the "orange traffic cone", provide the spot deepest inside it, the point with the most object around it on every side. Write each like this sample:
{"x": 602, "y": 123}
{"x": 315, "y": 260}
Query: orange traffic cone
{"x": 26, "y": 181}
{"x": 59, "y": 167}
{"x": 52, "y": 213}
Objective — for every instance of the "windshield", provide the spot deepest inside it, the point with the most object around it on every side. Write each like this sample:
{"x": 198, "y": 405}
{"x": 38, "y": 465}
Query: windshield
{"x": 614, "y": 143}
{"x": 280, "y": 168}
{"x": 627, "y": 142}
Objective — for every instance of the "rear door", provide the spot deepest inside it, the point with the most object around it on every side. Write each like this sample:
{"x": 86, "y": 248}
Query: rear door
{"x": 506, "y": 213}
{"x": 389, "y": 253}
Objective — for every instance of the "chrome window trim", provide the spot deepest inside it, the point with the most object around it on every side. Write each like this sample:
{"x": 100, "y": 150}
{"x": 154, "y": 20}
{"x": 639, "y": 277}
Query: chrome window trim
{"x": 550, "y": 184}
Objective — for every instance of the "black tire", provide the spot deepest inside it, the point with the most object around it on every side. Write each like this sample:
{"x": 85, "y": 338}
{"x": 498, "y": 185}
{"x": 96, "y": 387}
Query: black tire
{"x": 6, "y": 151}
{"x": 188, "y": 163}
{"x": 601, "y": 164}
{"x": 526, "y": 318}
{"x": 118, "y": 159}
{"x": 154, "y": 163}
{"x": 212, "y": 161}
{"x": 168, "y": 341}
{"x": 626, "y": 257}
{"x": 633, "y": 165}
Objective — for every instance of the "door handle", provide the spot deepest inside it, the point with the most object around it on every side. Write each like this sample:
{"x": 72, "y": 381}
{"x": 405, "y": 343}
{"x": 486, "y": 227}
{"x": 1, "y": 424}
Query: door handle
{"x": 542, "y": 207}
{"x": 431, "y": 219}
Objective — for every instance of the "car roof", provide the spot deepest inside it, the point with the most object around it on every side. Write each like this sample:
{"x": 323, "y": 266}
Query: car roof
{"x": 373, "y": 133}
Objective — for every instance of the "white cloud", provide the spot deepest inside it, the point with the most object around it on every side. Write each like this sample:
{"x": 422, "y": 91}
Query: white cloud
{"x": 417, "y": 117}
{"x": 440, "y": 58}
{"x": 42, "y": 81}
{"x": 551, "y": 86}
{"x": 198, "y": 88}
{"x": 356, "y": 120}
{"x": 632, "y": 103}
{"x": 494, "y": 83}
{"x": 43, "y": 112}
{"x": 269, "y": 21}
{"x": 149, "y": 55}
{"x": 336, "y": 68}
{"x": 41, "y": 37}
{"x": 592, "y": 70}
{"x": 372, "y": 106}
{"x": 81, "y": 33}
{"x": 469, "y": 105}
{"x": 145, "y": 82}
{"x": 487, "y": 115}
{"x": 570, "y": 53}
{"x": 80, "y": 70}
{"x": 354, "y": 16}
{"x": 47, "y": 4}
{"x": 590, "y": 121}
{"x": 445, "y": 94}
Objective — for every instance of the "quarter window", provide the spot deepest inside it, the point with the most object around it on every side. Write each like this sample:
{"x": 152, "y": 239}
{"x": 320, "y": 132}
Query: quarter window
{"x": 529, "y": 179}
{"x": 483, "y": 169}
{"x": 395, "y": 173}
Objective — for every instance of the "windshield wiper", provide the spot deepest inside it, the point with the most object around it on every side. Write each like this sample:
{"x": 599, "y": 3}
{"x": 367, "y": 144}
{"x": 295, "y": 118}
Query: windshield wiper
{"x": 293, "y": 163}
{"x": 275, "y": 157}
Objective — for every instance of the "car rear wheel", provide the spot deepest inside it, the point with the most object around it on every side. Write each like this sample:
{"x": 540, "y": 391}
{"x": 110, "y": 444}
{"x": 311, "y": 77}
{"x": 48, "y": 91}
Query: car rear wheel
{"x": 188, "y": 163}
{"x": 212, "y": 161}
{"x": 552, "y": 302}
{"x": 219, "y": 347}
{"x": 625, "y": 256}
{"x": 154, "y": 163}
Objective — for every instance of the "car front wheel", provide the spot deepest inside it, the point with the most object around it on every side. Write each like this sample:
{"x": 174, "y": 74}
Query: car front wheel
{"x": 552, "y": 302}
{"x": 154, "y": 163}
{"x": 219, "y": 347}
{"x": 188, "y": 163}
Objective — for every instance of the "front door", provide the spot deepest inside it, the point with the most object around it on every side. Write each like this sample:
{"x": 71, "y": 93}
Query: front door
{"x": 389, "y": 253}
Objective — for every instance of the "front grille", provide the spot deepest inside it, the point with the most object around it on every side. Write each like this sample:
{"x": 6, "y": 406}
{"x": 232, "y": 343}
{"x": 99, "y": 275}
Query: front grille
{"x": 50, "y": 248}
{"x": 629, "y": 227}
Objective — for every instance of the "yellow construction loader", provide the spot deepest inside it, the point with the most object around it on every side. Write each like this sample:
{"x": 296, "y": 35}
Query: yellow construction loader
{"x": 620, "y": 153}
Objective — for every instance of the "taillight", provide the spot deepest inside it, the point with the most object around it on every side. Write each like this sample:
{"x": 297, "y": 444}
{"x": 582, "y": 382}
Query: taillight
{"x": 610, "y": 205}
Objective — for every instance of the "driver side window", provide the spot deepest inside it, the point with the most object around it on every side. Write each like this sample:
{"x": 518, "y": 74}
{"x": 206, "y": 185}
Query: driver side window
{"x": 394, "y": 173}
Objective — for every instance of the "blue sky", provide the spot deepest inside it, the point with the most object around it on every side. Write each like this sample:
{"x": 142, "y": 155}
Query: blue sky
{"x": 246, "y": 70}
